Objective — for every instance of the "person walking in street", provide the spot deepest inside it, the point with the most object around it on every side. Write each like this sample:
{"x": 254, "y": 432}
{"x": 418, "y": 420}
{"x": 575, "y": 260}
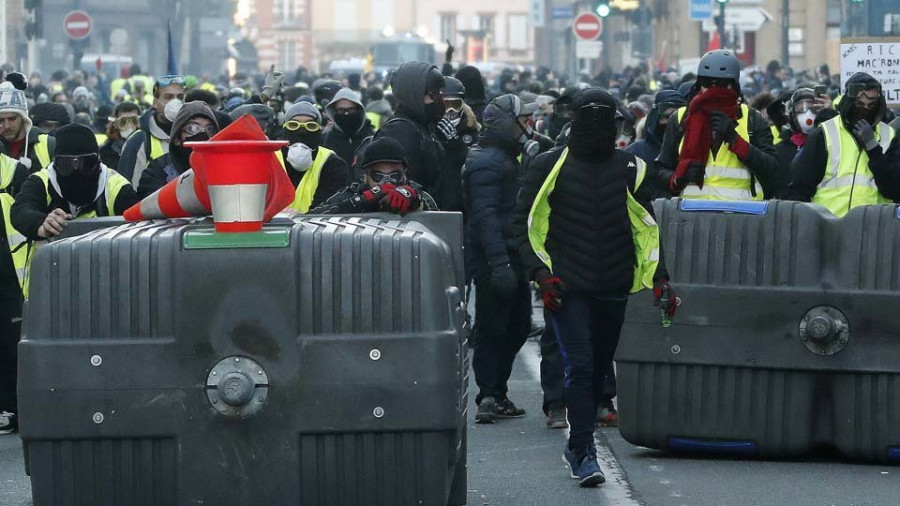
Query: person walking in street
{"x": 492, "y": 178}
{"x": 852, "y": 159}
{"x": 587, "y": 237}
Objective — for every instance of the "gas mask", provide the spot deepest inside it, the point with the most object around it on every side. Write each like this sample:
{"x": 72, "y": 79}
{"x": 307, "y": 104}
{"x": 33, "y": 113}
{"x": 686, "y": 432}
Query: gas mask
{"x": 622, "y": 141}
{"x": 299, "y": 156}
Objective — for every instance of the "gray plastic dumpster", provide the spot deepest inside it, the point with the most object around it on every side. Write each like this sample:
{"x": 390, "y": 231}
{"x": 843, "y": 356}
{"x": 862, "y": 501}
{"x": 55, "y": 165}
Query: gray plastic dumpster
{"x": 788, "y": 338}
{"x": 320, "y": 362}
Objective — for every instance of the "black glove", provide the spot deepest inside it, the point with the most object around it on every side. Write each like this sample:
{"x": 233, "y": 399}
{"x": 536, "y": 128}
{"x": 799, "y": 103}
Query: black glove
{"x": 503, "y": 280}
{"x": 448, "y": 55}
{"x": 865, "y": 135}
{"x": 722, "y": 126}
{"x": 18, "y": 80}
{"x": 446, "y": 129}
{"x": 695, "y": 173}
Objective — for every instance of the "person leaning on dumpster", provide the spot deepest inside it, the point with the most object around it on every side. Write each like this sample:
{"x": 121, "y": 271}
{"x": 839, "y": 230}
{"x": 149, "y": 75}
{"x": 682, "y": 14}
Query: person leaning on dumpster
{"x": 718, "y": 148}
{"x": 383, "y": 186}
{"x": 852, "y": 159}
{"x": 587, "y": 237}
{"x": 75, "y": 186}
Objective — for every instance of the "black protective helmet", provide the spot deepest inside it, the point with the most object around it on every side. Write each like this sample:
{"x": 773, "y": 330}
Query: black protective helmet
{"x": 453, "y": 88}
{"x": 720, "y": 64}
{"x": 324, "y": 90}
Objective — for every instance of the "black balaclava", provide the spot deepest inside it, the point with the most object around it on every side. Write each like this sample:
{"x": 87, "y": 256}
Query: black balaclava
{"x": 434, "y": 82}
{"x": 77, "y": 140}
{"x": 594, "y": 132}
{"x": 312, "y": 139}
{"x": 350, "y": 123}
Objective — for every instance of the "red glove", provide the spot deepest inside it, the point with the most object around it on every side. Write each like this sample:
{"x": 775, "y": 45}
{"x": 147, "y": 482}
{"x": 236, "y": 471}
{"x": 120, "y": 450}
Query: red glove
{"x": 401, "y": 199}
{"x": 664, "y": 296}
{"x": 551, "y": 290}
{"x": 376, "y": 194}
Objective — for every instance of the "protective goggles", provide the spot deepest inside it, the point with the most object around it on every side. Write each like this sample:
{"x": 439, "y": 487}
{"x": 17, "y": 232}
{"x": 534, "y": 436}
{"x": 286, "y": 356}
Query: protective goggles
{"x": 437, "y": 95}
{"x": 394, "y": 177}
{"x": 806, "y": 105}
{"x": 164, "y": 81}
{"x": 856, "y": 88}
{"x": 85, "y": 165}
{"x": 194, "y": 128}
{"x": 453, "y": 104}
{"x": 126, "y": 121}
{"x": 597, "y": 113}
{"x": 715, "y": 82}
{"x": 309, "y": 126}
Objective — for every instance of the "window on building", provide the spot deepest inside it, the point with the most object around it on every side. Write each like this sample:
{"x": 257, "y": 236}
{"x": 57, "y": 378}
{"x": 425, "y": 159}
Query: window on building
{"x": 287, "y": 54}
{"x": 287, "y": 10}
{"x": 486, "y": 24}
{"x": 448, "y": 26}
{"x": 518, "y": 32}
{"x": 833, "y": 13}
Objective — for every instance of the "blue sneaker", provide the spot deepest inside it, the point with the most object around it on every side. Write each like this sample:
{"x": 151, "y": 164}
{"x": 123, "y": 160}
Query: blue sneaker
{"x": 584, "y": 466}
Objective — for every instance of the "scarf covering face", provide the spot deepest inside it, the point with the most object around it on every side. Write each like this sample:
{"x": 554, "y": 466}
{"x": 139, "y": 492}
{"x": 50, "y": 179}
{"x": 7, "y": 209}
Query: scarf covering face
{"x": 697, "y": 133}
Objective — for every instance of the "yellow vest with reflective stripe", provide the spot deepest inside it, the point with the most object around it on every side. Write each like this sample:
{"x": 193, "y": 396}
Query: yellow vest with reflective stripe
{"x": 848, "y": 182}
{"x": 306, "y": 190}
{"x": 14, "y": 239}
{"x": 374, "y": 119}
{"x": 42, "y": 150}
{"x": 156, "y": 148}
{"x": 727, "y": 178}
{"x": 644, "y": 230}
{"x": 776, "y": 133}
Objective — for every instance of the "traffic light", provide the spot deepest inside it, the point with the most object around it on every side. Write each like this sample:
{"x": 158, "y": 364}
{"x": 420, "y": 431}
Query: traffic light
{"x": 602, "y": 9}
{"x": 722, "y": 1}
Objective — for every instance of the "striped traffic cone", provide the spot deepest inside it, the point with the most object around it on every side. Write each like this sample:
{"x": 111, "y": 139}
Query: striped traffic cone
{"x": 183, "y": 197}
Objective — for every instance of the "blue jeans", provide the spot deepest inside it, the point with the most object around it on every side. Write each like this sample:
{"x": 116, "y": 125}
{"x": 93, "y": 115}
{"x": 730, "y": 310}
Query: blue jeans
{"x": 588, "y": 331}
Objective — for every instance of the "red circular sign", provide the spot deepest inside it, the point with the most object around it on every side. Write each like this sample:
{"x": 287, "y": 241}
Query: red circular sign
{"x": 587, "y": 26}
{"x": 77, "y": 25}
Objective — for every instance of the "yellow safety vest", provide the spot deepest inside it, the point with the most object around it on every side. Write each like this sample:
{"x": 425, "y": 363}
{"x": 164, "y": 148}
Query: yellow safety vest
{"x": 727, "y": 178}
{"x": 42, "y": 150}
{"x": 374, "y": 119}
{"x": 848, "y": 182}
{"x": 156, "y": 148}
{"x": 116, "y": 85}
{"x": 101, "y": 139}
{"x": 644, "y": 230}
{"x": 306, "y": 190}
{"x": 14, "y": 239}
{"x": 114, "y": 184}
{"x": 776, "y": 134}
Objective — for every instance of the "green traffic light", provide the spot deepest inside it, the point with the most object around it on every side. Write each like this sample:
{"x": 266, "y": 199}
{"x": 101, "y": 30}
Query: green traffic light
{"x": 602, "y": 9}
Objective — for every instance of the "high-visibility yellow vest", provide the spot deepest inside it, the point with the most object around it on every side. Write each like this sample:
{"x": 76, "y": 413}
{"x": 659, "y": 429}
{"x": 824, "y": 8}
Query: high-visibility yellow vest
{"x": 306, "y": 190}
{"x": 156, "y": 148}
{"x": 727, "y": 178}
{"x": 101, "y": 139}
{"x": 644, "y": 230}
{"x": 16, "y": 241}
{"x": 42, "y": 150}
{"x": 114, "y": 184}
{"x": 776, "y": 133}
{"x": 116, "y": 85}
{"x": 374, "y": 119}
{"x": 848, "y": 182}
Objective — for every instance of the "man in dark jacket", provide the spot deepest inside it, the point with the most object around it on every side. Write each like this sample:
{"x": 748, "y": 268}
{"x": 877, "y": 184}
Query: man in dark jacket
{"x": 385, "y": 186}
{"x": 195, "y": 122}
{"x": 587, "y": 255}
{"x": 852, "y": 159}
{"x": 718, "y": 148}
{"x": 459, "y": 131}
{"x": 492, "y": 177}
{"x": 418, "y": 88}
{"x": 349, "y": 125}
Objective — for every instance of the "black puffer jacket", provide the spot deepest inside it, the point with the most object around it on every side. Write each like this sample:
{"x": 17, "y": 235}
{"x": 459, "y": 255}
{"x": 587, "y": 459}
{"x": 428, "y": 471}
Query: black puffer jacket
{"x": 423, "y": 151}
{"x": 492, "y": 177}
{"x": 590, "y": 239}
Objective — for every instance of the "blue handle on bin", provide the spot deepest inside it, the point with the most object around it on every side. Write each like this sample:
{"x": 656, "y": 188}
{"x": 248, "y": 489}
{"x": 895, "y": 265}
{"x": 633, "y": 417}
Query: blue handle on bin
{"x": 726, "y": 206}
{"x": 692, "y": 445}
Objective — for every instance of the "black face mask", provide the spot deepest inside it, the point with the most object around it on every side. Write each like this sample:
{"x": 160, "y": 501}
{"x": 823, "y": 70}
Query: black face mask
{"x": 78, "y": 188}
{"x": 870, "y": 115}
{"x": 181, "y": 155}
{"x": 350, "y": 123}
{"x": 311, "y": 139}
{"x": 593, "y": 133}
{"x": 434, "y": 111}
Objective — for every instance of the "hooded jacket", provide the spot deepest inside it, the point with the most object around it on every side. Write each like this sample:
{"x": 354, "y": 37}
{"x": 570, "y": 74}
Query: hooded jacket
{"x": 492, "y": 177}
{"x": 808, "y": 168}
{"x": 344, "y": 144}
{"x": 648, "y": 147}
{"x": 424, "y": 152}
{"x": 156, "y": 175}
{"x": 13, "y": 102}
{"x": 475, "y": 96}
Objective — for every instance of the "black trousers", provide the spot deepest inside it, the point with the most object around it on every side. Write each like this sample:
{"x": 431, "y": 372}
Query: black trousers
{"x": 588, "y": 333}
{"x": 502, "y": 324}
{"x": 10, "y": 331}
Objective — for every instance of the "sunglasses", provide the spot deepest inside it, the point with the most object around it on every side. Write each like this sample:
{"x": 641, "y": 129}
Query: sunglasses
{"x": 309, "y": 126}
{"x": 193, "y": 128}
{"x": 164, "y": 81}
{"x": 86, "y": 165}
{"x": 437, "y": 96}
{"x": 388, "y": 177}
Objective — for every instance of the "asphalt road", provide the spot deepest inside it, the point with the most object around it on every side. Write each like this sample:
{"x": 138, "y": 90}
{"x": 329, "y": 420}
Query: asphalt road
{"x": 519, "y": 463}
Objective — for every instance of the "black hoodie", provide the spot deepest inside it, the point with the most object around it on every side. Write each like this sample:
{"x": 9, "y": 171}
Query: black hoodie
{"x": 423, "y": 151}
